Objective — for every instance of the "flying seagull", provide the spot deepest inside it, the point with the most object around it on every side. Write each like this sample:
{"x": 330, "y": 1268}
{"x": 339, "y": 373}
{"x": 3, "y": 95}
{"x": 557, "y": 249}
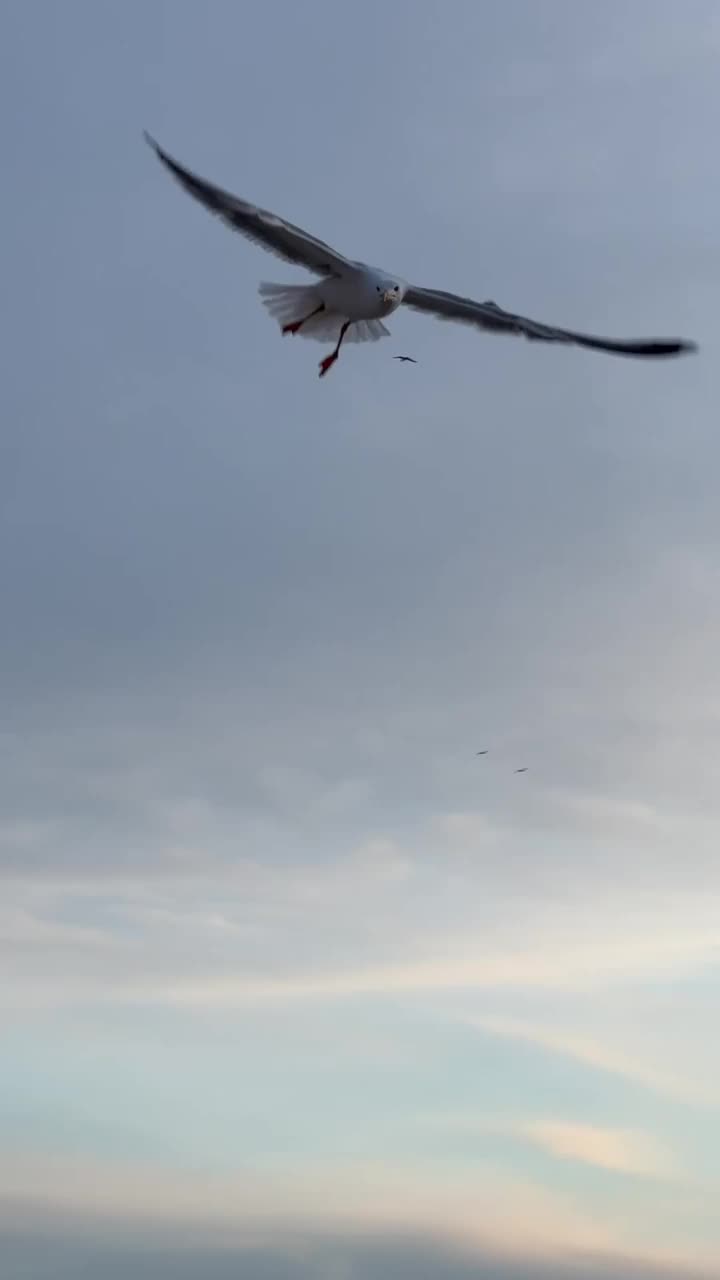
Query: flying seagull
{"x": 481, "y": 753}
{"x": 522, "y": 770}
{"x": 405, "y": 359}
{"x": 350, "y": 300}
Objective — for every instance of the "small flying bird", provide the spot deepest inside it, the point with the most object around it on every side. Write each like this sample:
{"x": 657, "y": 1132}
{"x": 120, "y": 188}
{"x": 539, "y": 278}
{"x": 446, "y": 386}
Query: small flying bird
{"x": 481, "y": 753}
{"x": 350, "y": 300}
{"x": 405, "y": 359}
{"x": 522, "y": 770}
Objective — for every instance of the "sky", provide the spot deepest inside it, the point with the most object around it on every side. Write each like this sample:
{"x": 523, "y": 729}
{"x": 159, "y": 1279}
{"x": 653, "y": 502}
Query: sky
{"x": 293, "y": 985}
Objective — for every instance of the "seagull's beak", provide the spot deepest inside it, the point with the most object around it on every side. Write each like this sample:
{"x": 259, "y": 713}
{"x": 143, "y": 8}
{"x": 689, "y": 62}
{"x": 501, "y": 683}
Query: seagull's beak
{"x": 389, "y": 295}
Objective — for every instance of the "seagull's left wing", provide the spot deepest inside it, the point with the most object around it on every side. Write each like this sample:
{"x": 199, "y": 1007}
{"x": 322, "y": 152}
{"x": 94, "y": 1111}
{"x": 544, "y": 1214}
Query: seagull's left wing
{"x": 282, "y": 238}
{"x": 487, "y": 315}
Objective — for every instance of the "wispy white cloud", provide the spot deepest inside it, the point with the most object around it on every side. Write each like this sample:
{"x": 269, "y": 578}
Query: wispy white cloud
{"x": 598, "y": 1054}
{"x": 20, "y": 928}
{"x": 617, "y": 1150}
{"x": 390, "y": 921}
{"x": 508, "y": 971}
{"x": 575, "y": 968}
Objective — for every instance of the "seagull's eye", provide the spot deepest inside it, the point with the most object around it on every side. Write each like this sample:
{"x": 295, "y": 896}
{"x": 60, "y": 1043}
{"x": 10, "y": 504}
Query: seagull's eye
{"x": 395, "y": 288}
{"x": 377, "y": 286}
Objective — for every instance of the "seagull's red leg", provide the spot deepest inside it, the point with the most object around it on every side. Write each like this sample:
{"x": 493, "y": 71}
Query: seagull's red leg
{"x": 297, "y": 325}
{"x": 329, "y": 361}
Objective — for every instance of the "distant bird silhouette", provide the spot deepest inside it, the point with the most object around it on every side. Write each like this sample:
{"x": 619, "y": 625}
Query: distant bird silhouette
{"x": 521, "y": 770}
{"x": 481, "y": 753}
{"x": 405, "y": 359}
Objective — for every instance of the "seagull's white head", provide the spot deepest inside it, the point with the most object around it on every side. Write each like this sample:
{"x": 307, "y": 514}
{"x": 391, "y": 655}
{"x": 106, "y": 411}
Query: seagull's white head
{"x": 391, "y": 293}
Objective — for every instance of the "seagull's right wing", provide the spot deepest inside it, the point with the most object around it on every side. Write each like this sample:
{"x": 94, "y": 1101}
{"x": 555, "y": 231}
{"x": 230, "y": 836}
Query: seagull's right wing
{"x": 489, "y": 316}
{"x": 282, "y": 238}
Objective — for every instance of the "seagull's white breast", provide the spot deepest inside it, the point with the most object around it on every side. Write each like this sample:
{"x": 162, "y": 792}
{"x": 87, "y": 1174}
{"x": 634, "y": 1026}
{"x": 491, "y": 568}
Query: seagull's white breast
{"x": 360, "y": 296}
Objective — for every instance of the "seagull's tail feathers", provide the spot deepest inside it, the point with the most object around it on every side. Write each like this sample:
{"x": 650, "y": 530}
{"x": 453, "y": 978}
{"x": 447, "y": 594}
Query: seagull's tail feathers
{"x": 289, "y": 303}
{"x": 367, "y": 331}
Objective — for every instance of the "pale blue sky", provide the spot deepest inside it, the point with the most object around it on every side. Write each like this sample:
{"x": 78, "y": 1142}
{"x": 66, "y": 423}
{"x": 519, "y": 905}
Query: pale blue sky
{"x": 290, "y": 981}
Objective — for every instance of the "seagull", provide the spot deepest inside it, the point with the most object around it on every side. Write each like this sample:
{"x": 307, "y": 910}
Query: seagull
{"x": 350, "y": 300}
{"x": 405, "y": 359}
{"x": 522, "y": 770}
{"x": 481, "y": 753}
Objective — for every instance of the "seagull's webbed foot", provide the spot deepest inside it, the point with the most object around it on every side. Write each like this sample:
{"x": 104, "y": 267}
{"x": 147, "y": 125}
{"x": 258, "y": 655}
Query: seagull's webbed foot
{"x": 328, "y": 362}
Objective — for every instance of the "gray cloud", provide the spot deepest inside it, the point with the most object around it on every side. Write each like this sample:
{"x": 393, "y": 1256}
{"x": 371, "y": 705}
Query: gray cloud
{"x": 44, "y": 1249}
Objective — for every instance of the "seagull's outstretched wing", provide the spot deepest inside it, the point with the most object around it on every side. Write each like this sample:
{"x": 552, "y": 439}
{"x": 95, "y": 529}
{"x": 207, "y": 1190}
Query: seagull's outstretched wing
{"x": 487, "y": 315}
{"x": 265, "y": 228}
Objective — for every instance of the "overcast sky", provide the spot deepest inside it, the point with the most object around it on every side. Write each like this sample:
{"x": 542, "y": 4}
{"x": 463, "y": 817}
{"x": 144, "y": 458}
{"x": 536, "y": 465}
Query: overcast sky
{"x": 291, "y": 980}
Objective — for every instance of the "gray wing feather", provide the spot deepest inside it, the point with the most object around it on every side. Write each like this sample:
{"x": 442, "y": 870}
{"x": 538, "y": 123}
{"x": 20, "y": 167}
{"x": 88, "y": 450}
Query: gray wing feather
{"x": 489, "y": 316}
{"x": 275, "y": 234}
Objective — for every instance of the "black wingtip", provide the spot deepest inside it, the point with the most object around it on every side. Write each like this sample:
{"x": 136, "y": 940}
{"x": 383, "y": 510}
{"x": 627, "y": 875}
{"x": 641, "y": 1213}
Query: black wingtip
{"x": 155, "y": 145}
{"x": 182, "y": 175}
{"x": 680, "y": 347}
{"x": 663, "y": 347}
{"x": 653, "y": 348}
